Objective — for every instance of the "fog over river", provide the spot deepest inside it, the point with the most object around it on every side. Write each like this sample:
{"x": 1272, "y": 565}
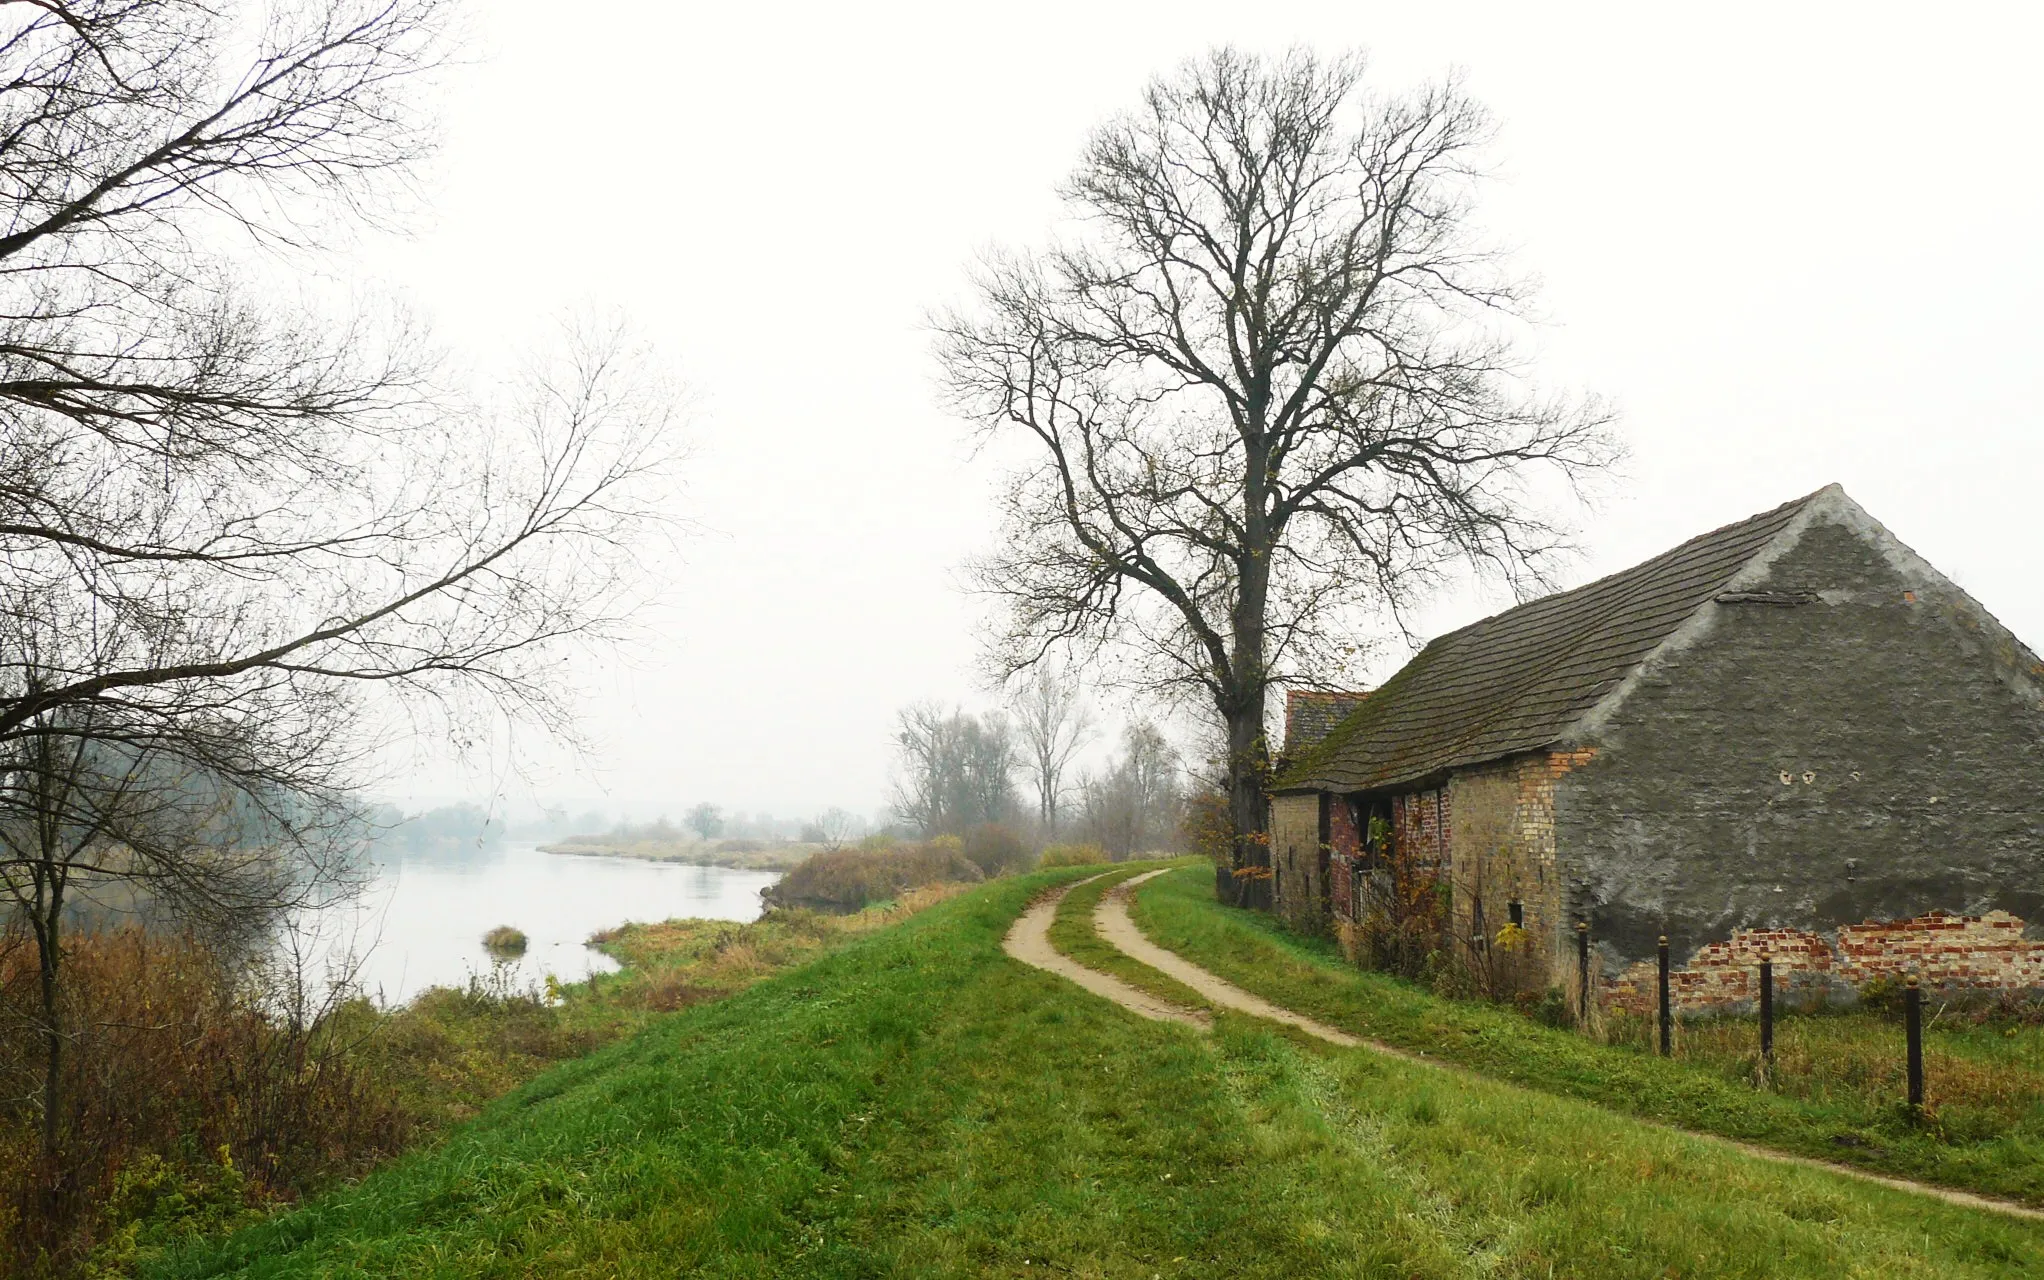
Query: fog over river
{"x": 422, "y": 921}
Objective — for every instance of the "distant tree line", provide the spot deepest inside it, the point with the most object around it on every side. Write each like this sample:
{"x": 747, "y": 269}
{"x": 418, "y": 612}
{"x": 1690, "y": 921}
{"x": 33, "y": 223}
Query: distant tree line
{"x": 958, "y": 771}
{"x": 448, "y": 829}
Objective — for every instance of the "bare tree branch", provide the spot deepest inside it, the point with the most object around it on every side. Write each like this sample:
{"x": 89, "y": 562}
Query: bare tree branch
{"x": 1267, "y": 397}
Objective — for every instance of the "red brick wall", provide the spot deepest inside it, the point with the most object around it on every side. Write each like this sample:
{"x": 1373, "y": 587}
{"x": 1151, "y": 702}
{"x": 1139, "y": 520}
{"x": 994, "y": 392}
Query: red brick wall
{"x": 1346, "y": 839}
{"x": 1949, "y": 953}
{"x": 1421, "y": 822}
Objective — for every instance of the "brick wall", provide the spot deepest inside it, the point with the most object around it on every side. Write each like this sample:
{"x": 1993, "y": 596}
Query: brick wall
{"x": 1421, "y": 822}
{"x": 1296, "y": 893}
{"x": 1502, "y": 850}
{"x": 1346, "y": 837}
{"x": 1950, "y": 953}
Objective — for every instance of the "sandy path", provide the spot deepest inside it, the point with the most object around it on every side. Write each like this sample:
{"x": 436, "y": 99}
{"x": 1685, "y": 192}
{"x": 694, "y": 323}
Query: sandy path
{"x": 1029, "y": 941}
{"x": 1111, "y": 920}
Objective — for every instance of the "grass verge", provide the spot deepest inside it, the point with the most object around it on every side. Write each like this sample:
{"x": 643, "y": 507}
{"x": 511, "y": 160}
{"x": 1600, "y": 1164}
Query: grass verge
{"x": 918, "y": 1104}
{"x": 1253, "y": 951}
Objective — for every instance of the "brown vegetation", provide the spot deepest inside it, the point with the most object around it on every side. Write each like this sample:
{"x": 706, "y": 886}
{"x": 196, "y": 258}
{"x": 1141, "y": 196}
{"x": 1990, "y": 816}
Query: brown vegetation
{"x": 171, "y": 1054}
{"x": 1073, "y": 855}
{"x": 876, "y": 871}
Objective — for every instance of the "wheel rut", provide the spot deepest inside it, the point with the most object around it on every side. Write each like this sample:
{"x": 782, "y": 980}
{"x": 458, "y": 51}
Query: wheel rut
{"x": 1029, "y": 942}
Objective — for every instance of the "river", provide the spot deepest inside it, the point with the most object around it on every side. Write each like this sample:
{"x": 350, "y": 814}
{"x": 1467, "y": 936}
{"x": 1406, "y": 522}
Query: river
{"x": 422, "y": 921}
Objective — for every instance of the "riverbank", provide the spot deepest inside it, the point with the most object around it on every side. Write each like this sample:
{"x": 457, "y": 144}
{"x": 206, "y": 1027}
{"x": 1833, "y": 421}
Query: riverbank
{"x": 377, "y": 1082}
{"x": 738, "y": 855}
{"x": 918, "y": 1103}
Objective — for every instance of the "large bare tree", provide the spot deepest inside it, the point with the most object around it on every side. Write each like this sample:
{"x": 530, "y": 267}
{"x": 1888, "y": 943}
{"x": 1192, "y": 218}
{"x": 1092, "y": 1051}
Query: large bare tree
{"x": 1261, "y": 396}
{"x": 245, "y": 530}
{"x": 263, "y": 489}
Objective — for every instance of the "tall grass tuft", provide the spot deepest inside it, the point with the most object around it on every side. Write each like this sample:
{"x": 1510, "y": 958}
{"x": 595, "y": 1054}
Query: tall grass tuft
{"x": 505, "y": 941}
{"x": 851, "y": 879}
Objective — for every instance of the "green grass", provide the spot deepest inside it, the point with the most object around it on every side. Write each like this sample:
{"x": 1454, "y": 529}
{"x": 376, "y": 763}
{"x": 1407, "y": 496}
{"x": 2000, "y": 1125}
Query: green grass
{"x": 1710, "y": 1093}
{"x": 917, "y": 1104}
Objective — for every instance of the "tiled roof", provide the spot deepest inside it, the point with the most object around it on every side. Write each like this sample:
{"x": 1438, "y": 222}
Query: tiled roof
{"x": 1517, "y": 680}
{"x": 1311, "y": 713}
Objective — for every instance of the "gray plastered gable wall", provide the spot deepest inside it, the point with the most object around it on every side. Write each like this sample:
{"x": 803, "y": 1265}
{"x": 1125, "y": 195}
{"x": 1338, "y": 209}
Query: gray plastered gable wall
{"x": 1871, "y": 750}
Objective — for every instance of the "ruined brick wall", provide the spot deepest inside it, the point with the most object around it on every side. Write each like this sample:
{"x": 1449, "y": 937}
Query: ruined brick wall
{"x": 1421, "y": 825}
{"x": 1950, "y": 954}
{"x": 1347, "y": 842}
{"x": 1843, "y": 741}
{"x": 1297, "y": 890}
{"x": 1502, "y": 851}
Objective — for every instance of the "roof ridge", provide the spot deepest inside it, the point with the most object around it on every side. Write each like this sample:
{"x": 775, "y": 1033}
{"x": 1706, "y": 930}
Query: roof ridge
{"x": 1630, "y": 594}
{"x": 1495, "y": 685}
{"x": 1634, "y": 568}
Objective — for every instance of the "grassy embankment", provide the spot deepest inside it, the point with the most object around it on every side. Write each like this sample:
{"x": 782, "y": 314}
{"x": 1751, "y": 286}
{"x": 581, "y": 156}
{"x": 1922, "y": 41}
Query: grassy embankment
{"x": 380, "y": 1081}
{"x": 1836, "y": 1088}
{"x": 918, "y": 1104}
{"x": 450, "y": 1051}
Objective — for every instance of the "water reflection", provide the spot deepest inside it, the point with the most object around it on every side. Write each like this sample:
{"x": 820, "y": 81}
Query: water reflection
{"x": 422, "y": 922}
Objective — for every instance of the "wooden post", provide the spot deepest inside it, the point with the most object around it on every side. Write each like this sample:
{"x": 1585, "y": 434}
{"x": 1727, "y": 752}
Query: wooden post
{"x": 1667, "y": 1012}
{"x": 1767, "y": 1011}
{"x": 1583, "y": 973}
{"x": 1912, "y": 1007}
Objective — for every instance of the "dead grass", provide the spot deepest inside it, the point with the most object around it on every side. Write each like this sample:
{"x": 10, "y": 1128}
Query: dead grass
{"x": 1981, "y": 1077}
{"x": 853, "y": 879}
{"x": 676, "y": 963}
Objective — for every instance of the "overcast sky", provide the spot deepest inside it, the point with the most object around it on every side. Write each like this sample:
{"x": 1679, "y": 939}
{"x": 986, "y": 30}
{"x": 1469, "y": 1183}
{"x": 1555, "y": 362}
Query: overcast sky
{"x": 1792, "y": 244}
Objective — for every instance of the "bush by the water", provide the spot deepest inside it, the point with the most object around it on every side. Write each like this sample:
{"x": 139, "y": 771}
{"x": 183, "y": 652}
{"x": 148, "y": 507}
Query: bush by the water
{"x": 505, "y": 941}
{"x": 848, "y": 879}
{"x": 1073, "y": 855}
{"x": 181, "y": 1100}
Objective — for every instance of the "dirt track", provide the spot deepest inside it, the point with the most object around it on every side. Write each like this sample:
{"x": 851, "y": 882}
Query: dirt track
{"x": 1029, "y": 942}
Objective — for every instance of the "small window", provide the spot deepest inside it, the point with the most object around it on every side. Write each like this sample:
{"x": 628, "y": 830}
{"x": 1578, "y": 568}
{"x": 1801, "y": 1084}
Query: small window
{"x": 1518, "y": 913}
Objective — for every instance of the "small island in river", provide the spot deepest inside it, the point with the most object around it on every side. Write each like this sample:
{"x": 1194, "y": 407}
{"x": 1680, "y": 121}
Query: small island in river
{"x": 738, "y": 854}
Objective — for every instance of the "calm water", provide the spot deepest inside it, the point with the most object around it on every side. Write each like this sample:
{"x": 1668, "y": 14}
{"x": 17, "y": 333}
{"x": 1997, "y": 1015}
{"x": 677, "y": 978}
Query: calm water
{"x": 422, "y": 922}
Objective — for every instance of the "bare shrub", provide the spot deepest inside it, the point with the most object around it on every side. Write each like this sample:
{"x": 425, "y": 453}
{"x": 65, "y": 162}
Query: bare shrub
{"x": 995, "y": 849}
{"x": 1073, "y": 855}
{"x": 175, "y": 1069}
{"x": 849, "y": 879}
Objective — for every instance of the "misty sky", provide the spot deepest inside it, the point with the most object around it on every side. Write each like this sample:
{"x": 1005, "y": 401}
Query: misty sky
{"x": 1792, "y": 247}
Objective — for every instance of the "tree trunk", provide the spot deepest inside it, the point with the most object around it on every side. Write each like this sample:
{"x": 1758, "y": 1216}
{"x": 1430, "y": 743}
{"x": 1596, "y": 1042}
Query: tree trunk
{"x": 53, "y": 1037}
{"x": 1245, "y": 787}
{"x": 1248, "y": 752}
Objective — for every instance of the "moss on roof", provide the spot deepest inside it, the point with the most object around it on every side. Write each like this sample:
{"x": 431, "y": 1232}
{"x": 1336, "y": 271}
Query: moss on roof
{"x": 1518, "y": 680}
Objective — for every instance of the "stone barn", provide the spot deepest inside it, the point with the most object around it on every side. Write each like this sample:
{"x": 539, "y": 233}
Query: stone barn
{"x": 1791, "y": 734}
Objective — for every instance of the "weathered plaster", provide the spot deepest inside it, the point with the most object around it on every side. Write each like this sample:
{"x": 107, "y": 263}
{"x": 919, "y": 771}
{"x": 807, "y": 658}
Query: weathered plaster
{"x": 1873, "y": 754}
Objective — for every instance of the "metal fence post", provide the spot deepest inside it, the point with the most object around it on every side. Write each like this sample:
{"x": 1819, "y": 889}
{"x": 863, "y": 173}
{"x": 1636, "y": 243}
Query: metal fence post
{"x": 1767, "y": 1011}
{"x": 1583, "y": 973}
{"x": 1667, "y": 1012}
{"x": 1912, "y": 1006}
